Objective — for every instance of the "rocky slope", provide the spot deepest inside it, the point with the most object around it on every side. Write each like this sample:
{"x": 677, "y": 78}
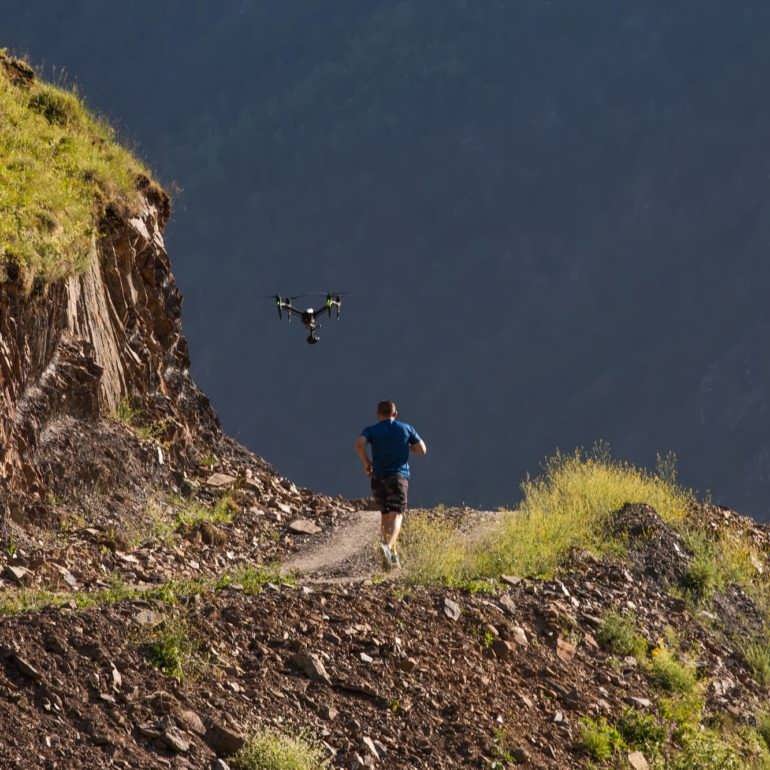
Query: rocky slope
{"x": 100, "y": 421}
{"x": 392, "y": 675}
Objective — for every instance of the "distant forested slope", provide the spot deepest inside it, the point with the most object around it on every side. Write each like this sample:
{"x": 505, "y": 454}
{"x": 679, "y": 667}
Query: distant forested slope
{"x": 553, "y": 217}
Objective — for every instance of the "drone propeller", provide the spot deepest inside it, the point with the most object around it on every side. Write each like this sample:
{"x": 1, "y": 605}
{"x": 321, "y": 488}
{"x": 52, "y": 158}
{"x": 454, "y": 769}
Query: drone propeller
{"x": 282, "y": 302}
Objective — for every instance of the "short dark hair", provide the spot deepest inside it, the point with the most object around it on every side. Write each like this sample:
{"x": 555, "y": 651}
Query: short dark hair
{"x": 386, "y": 408}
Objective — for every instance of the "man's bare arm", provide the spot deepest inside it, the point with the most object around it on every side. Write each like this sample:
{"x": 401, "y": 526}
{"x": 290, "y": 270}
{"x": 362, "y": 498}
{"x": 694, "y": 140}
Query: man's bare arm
{"x": 360, "y": 447}
{"x": 420, "y": 448}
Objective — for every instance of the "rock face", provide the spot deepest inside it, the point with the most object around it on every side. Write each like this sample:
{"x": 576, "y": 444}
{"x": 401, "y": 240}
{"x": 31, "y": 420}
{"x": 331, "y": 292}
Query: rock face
{"x": 82, "y": 346}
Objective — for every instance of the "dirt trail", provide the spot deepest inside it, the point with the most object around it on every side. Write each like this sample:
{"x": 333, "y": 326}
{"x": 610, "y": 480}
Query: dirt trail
{"x": 349, "y": 554}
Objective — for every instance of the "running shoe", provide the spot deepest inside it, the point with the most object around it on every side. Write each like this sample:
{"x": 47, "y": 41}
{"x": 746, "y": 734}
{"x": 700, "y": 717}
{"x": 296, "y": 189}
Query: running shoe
{"x": 387, "y": 556}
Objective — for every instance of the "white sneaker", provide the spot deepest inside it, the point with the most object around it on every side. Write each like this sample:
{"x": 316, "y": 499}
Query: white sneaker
{"x": 395, "y": 562}
{"x": 387, "y": 556}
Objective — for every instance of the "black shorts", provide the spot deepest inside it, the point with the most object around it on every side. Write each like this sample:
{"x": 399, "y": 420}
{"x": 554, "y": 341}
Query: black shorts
{"x": 390, "y": 493}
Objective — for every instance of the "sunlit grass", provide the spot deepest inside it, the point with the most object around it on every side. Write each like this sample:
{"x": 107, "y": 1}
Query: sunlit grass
{"x": 567, "y": 507}
{"x": 192, "y": 514}
{"x": 59, "y": 165}
{"x": 17, "y": 601}
{"x": 269, "y": 749}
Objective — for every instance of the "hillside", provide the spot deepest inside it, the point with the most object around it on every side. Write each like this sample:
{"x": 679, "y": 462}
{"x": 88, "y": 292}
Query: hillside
{"x": 93, "y": 356}
{"x": 170, "y": 600}
{"x": 570, "y": 200}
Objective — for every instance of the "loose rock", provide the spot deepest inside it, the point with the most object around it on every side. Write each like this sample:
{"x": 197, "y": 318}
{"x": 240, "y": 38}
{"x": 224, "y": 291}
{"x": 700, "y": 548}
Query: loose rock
{"x": 304, "y": 527}
{"x": 452, "y": 609}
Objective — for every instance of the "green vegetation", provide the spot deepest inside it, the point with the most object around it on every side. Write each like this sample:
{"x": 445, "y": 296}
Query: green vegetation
{"x": 194, "y": 513}
{"x": 670, "y": 673}
{"x": 718, "y": 562}
{"x": 133, "y": 417}
{"x": 253, "y": 579}
{"x": 169, "y": 517}
{"x": 619, "y": 635}
{"x": 269, "y": 749}
{"x": 173, "y": 648}
{"x": 675, "y": 738}
{"x": 59, "y": 167}
{"x": 677, "y": 733}
{"x": 701, "y": 746}
{"x": 17, "y": 601}
{"x": 599, "y": 739}
{"x": 643, "y": 732}
{"x": 763, "y": 728}
{"x": 567, "y": 507}
{"x": 757, "y": 656}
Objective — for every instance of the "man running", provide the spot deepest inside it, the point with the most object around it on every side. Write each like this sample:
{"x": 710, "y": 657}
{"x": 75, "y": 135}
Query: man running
{"x": 388, "y": 468}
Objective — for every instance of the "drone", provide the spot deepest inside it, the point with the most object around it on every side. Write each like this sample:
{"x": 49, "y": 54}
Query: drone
{"x": 309, "y": 317}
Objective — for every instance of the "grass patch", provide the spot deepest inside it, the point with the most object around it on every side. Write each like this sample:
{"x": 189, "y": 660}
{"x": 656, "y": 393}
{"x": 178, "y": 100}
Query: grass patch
{"x": 718, "y": 562}
{"x": 59, "y": 167}
{"x": 134, "y": 417}
{"x": 675, "y": 738}
{"x": 173, "y": 649}
{"x": 757, "y": 657}
{"x": 193, "y": 514}
{"x": 642, "y": 732}
{"x": 269, "y": 749}
{"x": 763, "y": 728}
{"x": 599, "y": 739}
{"x": 435, "y": 551}
{"x": 17, "y": 601}
{"x": 567, "y": 507}
{"x": 254, "y": 579}
{"x": 671, "y": 674}
{"x": 618, "y": 634}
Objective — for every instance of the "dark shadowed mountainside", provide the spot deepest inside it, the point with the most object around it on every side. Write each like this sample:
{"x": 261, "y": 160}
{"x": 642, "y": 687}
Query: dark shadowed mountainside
{"x": 553, "y": 219}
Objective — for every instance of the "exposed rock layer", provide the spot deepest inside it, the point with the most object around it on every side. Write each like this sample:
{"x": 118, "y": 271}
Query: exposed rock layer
{"x": 82, "y": 346}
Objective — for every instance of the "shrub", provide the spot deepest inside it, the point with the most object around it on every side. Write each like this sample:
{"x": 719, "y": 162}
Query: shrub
{"x": 568, "y": 507}
{"x": 671, "y": 674}
{"x": 56, "y": 106}
{"x": 271, "y": 750}
{"x": 642, "y": 731}
{"x": 173, "y": 649}
{"x": 703, "y": 576}
{"x": 705, "y": 749}
{"x": 599, "y": 739}
{"x": 618, "y": 634}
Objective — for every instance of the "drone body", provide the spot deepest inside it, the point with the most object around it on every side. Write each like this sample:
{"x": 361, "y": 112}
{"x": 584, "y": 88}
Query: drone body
{"x": 309, "y": 317}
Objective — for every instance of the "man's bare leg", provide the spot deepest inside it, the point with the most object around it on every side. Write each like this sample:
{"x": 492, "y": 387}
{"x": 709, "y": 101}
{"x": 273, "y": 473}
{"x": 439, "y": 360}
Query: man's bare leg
{"x": 391, "y": 528}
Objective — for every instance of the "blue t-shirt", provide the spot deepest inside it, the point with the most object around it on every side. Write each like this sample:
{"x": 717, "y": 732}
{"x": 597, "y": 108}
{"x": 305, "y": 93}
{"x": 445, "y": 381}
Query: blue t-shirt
{"x": 390, "y": 440}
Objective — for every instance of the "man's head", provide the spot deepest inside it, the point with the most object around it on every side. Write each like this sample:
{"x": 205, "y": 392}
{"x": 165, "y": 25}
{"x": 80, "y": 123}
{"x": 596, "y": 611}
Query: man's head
{"x": 386, "y": 410}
